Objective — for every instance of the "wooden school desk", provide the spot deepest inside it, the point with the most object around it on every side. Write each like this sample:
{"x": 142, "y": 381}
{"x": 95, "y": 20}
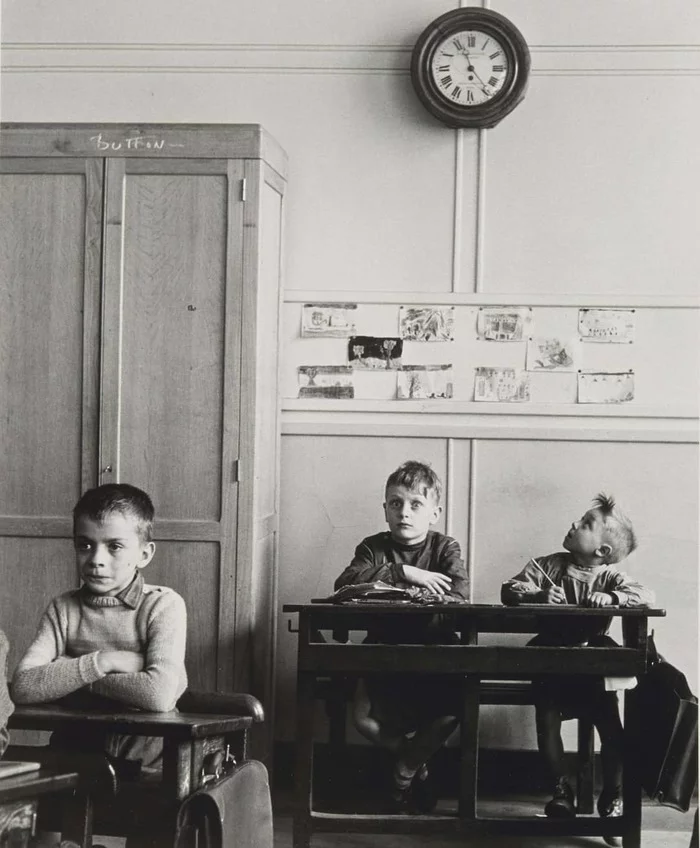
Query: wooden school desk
{"x": 18, "y": 800}
{"x": 187, "y": 739}
{"x": 471, "y": 662}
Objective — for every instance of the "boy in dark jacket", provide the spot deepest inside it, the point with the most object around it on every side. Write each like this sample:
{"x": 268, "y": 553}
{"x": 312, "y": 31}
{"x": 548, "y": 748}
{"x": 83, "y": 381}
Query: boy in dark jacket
{"x": 413, "y": 719}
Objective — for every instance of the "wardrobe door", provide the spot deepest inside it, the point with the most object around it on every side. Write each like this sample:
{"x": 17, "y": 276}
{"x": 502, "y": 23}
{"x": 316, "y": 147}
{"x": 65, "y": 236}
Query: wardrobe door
{"x": 50, "y": 243}
{"x": 170, "y": 379}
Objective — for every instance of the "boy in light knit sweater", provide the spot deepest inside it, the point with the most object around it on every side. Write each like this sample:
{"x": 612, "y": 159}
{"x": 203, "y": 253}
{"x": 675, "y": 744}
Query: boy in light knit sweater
{"x": 6, "y": 705}
{"x": 115, "y": 638}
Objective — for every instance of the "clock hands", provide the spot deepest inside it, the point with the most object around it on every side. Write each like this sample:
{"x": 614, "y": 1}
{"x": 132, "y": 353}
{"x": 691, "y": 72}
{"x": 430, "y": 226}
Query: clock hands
{"x": 472, "y": 70}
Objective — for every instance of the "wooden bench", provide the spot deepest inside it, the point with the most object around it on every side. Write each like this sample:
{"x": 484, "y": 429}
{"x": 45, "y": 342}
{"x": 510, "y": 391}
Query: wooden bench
{"x": 337, "y": 692}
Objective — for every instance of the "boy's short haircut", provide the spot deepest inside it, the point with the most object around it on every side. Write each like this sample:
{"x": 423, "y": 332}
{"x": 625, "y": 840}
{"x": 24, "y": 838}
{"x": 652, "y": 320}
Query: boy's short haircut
{"x": 619, "y": 531}
{"x": 416, "y": 476}
{"x": 96, "y": 504}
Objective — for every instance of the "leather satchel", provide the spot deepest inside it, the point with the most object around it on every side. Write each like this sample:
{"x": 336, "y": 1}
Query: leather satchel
{"x": 234, "y": 812}
{"x": 668, "y": 752}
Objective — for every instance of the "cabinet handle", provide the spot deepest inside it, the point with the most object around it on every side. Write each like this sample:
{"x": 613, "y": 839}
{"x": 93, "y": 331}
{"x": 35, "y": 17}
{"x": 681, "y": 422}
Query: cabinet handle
{"x": 106, "y": 470}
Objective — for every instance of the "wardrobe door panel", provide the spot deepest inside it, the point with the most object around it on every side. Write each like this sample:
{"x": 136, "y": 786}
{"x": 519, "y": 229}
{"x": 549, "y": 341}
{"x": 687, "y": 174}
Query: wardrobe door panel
{"x": 192, "y": 569}
{"x": 49, "y": 290}
{"x": 173, "y": 340}
{"x": 33, "y": 572}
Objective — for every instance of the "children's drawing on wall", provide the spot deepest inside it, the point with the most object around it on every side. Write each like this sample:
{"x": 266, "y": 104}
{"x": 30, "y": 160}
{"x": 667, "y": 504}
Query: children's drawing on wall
{"x": 508, "y": 385}
{"x": 325, "y": 381}
{"x": 503, "y": 325}
{"x": 427, "y": 323}
{"x": 375, "y": 352}
{"x": 334, "y": 320}
{"x": 424, "y": 382}
{"x": 605, "y": 387}
{"x": 552, "y": 354}
{"x": 606, "y": 325}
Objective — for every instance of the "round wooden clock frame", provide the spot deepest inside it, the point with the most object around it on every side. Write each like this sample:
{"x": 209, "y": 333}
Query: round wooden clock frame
{"x": 510, "y": 39}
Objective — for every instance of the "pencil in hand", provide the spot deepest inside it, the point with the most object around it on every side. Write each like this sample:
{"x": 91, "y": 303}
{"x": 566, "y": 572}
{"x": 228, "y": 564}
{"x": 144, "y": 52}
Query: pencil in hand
{"x": 542, "y": 571}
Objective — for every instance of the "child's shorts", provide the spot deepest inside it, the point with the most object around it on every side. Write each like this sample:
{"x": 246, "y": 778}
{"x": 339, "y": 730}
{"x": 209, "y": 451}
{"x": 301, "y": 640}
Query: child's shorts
{"x": 575, "y": 696}
{"x": 404, "y": 703}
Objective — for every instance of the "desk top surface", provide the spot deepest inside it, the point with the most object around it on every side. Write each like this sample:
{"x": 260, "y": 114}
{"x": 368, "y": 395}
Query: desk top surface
{"x": 476, "y": 610}
{"x": 32, "y": 784}
{"x": 170, "y": 725}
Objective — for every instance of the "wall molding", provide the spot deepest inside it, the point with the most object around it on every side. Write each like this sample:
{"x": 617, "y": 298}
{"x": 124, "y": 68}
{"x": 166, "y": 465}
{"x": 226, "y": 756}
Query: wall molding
{"x": 112, "y": 57}
{"x": 479, "y": 408}
{"x": 628, "y": 301}
{"x": 497, "y": 427}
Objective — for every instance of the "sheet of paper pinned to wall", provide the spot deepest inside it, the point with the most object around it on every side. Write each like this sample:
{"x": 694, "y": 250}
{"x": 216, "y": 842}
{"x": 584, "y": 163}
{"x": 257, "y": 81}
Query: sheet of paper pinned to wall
{"x": 607, "y": 325}
{"x": 505, "y": 385}
{"x": 424, "y": 382}
{"x": 605, "y": 387}
{"x": 325, "y": 381}
{"x": 375, "y": 352}
{"x": 330, "y": 320}
{"x": 504, "y": 324}
{"x": 553, "y": 354}
{"x": 427, "y": 323}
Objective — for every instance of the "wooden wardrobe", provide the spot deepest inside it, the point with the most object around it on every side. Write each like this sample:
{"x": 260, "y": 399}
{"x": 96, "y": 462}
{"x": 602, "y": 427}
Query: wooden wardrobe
{"x": 139, "y": 337}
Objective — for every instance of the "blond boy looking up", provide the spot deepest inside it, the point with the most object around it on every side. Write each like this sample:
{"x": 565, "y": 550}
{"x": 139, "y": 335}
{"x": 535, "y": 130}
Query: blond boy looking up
{"x": 585, "y": 574}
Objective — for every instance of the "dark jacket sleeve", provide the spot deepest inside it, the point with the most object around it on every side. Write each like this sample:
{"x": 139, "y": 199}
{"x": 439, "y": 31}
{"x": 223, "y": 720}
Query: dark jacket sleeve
{"x": 452, "y": 564}
{"x": 369, "y": 565}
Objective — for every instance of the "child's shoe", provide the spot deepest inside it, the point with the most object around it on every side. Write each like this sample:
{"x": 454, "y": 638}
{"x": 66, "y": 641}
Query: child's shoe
{"x": 610, "y": 807}
{"x": 412, "y": 795}
{"x": 562, "y": 804}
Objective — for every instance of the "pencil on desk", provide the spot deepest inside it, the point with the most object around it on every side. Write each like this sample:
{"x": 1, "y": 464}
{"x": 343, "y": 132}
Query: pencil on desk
{"x": 542, "y": 571}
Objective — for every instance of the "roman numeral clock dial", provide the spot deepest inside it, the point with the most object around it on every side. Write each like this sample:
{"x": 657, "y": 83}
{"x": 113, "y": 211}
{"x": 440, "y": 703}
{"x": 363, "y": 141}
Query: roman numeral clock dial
{"x": 470, "y": 67}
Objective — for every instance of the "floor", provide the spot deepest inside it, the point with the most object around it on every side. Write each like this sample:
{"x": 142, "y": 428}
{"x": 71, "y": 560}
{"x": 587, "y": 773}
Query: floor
{"x": 662, "y": 827}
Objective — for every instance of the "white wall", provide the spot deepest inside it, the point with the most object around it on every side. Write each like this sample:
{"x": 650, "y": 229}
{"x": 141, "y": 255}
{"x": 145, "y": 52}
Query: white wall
{"x": 587, "y": 195}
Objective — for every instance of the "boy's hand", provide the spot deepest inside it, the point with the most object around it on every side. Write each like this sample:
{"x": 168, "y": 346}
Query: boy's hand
{"x": 554, "y": 595}
{"x": 431, "y": 580}
{"x": 600, "y": 599}
{"x": 119, "y": 662}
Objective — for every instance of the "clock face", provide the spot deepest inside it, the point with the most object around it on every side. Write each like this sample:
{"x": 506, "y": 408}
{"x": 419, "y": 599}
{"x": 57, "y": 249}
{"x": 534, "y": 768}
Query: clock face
{"x": 469, "y": 67}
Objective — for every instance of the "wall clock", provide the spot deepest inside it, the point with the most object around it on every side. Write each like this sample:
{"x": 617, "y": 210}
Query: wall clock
{"x": 470, "y": 67}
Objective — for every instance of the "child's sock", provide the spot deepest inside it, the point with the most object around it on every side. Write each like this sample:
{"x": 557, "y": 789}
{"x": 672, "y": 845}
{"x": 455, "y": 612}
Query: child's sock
{"x": 403, "y": 775}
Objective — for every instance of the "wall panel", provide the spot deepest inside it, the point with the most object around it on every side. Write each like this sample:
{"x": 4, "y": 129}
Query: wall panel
{"x": 592, "y": 186}
{"x": 36, "y": 570}
{"x": 661, "y": 354}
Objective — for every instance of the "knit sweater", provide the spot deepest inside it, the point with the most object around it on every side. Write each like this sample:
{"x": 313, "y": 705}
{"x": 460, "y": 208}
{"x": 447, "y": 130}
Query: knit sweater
{"x": 6, "y": 705}
{"x": 76, "y": 626}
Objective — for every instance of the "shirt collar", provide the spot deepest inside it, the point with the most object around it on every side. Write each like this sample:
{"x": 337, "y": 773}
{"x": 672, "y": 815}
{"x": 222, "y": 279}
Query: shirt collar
{"x": 131, "y": 595}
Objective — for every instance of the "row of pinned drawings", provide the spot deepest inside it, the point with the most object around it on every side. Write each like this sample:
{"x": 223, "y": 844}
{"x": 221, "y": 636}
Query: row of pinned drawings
{"x": 501, "y": 385}
{"x": 437, "y": 323}
{"x": 559, "y": 347}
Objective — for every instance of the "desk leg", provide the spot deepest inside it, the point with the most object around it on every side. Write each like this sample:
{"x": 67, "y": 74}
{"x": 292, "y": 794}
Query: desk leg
{"x": 76, "y": 820}
{"x": 469, "y": 735}
{"x": 179, "y": 766}
{"x": 631, "y": 786}
{"x": 303, "y": 766}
